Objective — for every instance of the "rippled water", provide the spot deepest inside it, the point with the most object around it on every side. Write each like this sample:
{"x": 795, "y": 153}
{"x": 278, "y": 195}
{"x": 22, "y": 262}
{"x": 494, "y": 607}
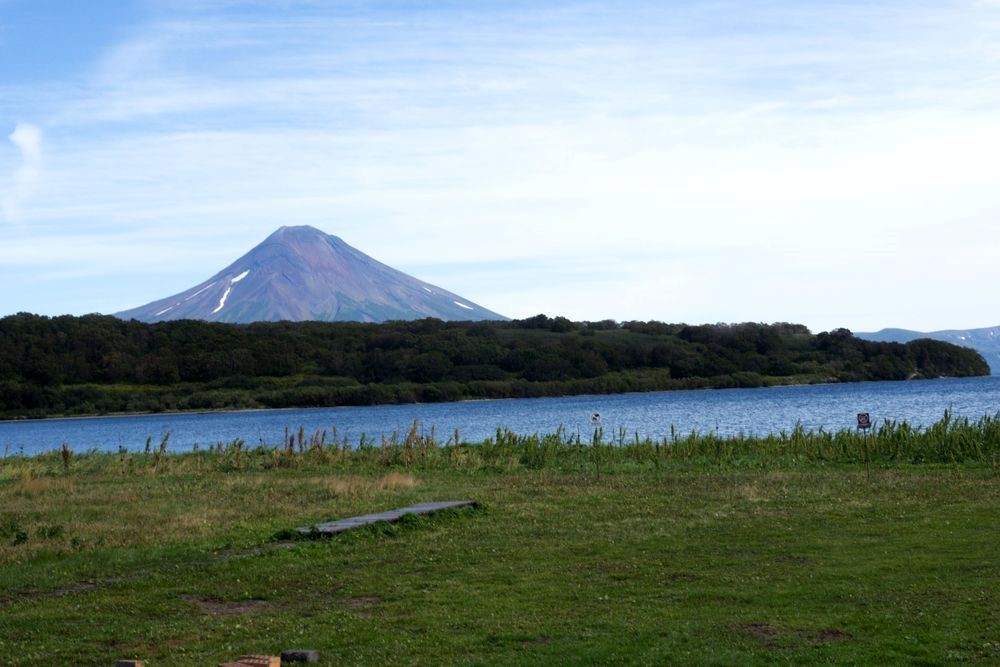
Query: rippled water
{"x": 725, "y": 411}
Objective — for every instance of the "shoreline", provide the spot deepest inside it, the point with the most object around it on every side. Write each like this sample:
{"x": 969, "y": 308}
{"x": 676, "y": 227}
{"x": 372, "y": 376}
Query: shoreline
{"x": 736, "y": 413}
{"x": 215, "y": 411}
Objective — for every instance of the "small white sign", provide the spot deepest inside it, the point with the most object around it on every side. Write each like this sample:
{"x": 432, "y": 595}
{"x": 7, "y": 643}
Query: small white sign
{"x": 864, "y": 420}
{"x": 595, "y": 419}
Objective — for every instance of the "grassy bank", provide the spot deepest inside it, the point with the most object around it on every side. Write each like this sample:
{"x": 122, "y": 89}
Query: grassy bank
{"x": 802, "y": 548}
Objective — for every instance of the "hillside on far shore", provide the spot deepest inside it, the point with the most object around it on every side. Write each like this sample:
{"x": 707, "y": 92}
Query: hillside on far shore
{"x": 100, "y": 364}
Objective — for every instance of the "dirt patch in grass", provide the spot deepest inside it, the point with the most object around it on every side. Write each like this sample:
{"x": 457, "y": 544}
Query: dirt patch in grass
{"x": 831, "y": 635}
{"x": 79, "y": 587}
{"x": 218, "y": 607}
{"x": 361, "y": 605}
{"x": 768, "y": 635}
{"x": 763, "y": 633}
{"x": 537, "y": 641}
{"x": 360, "y": 602}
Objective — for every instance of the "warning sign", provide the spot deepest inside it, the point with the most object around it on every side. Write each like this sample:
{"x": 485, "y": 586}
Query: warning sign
{"x": 864, "y": 421}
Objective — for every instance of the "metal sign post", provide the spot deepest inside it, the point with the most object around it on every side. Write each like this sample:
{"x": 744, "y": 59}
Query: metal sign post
{"x": 595, "y": 421}
{"x": 865, "y": 423}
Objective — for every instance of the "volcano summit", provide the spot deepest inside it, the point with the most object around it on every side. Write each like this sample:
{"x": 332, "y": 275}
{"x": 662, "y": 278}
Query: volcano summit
{"x": 301, "y": 273}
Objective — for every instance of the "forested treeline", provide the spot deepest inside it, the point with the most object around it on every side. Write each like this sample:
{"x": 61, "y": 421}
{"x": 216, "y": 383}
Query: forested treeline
{"x": 98, "y": 364}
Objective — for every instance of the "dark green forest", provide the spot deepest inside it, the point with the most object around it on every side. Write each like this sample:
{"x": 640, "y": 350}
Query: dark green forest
{"x": 100, "y": 364}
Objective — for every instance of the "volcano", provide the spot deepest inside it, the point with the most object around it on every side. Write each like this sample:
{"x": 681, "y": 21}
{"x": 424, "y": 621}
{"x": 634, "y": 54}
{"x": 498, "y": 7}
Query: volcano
{"x": 302, "y": 273}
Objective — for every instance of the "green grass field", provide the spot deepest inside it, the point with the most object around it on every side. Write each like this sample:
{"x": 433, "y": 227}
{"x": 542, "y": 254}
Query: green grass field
{"x": 626, "y": 554}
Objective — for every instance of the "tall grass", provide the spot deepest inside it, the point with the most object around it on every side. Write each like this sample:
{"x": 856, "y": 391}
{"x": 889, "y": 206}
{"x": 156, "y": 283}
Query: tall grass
{"x": 949, "y": 440}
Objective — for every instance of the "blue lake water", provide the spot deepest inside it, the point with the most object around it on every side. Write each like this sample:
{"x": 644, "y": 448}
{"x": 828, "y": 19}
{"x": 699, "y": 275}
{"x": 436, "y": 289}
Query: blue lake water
{"x": 725, "y": 411}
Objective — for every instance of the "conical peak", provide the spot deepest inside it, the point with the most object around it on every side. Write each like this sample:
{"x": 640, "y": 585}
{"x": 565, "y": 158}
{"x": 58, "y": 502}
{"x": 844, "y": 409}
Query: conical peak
{"x": 302, "y": 273}
{"x": 309, "y": 243}
{"x": 299, "y": 232}
{"x": 300, "y": 229}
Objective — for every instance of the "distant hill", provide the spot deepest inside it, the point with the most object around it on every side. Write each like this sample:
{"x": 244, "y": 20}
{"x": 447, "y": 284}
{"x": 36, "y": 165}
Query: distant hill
{"x": 301, "y": 273}
{"x": 101, "y": 364}
{"x": 985, "y": 341}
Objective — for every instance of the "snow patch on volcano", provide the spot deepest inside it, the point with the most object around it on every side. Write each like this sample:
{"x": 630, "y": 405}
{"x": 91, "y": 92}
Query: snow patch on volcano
{"x": 222, "y": 301}
{"x": 199, "y": 291}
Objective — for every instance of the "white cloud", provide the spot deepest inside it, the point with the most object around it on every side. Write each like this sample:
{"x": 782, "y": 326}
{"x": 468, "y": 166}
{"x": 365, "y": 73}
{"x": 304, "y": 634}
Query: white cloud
{"x": 28, "y": 140}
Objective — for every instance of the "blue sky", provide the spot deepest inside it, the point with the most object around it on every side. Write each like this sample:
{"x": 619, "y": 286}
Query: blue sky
{"x": 834, "y": 163}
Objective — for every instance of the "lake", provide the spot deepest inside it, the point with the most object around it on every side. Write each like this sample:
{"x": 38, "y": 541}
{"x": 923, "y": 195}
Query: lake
{"x": 723, "y": 411}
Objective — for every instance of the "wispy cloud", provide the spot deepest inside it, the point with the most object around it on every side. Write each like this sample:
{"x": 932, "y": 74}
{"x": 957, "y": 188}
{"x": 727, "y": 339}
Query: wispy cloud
{"x": 548, "y": 135}
{"x": 28, "y": 140}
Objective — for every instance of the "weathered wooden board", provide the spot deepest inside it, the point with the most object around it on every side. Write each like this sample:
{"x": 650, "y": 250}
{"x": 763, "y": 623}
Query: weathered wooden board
{"x": 342, "y": 525}
{"x": 254, "y": 661}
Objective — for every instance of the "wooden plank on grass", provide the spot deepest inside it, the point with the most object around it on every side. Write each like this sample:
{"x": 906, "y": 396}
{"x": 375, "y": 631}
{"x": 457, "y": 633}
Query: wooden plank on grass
{"x": 260, "y": 660}
{"x": 254, "y": 661}
{"x": 336, "y": 527}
